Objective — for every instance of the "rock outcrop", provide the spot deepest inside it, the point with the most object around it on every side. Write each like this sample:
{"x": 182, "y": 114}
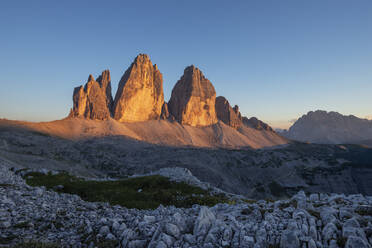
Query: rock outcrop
{"x": 255, "y": 123}
{"x": 104, "y": 81}
{"x": 193, "y": 99}
{"x": 165, "y": 115}
{"x": 140, "y": 94}
{"x": 230, "y": 116}
{"x": 94, "y": 100}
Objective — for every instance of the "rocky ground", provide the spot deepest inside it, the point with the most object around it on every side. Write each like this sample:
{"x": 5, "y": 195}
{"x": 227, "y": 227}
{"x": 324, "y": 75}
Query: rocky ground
{"x": 259, "y": 174}
{"x": 316, "y": 220}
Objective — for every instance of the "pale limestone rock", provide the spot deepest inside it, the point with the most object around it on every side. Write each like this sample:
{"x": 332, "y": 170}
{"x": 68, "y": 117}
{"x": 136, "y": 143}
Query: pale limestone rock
{"x": 193, "y": 99}
{"x": 140, "y": 94}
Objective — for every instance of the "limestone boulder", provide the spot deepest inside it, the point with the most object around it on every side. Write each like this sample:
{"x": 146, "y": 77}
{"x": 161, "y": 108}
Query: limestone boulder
{"x": 193, "y": 99}
{"x": 140, "y": 94}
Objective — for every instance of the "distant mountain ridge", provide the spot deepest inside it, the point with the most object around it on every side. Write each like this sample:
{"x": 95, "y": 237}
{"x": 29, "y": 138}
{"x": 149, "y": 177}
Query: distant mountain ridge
{"x": 330, "y": 128}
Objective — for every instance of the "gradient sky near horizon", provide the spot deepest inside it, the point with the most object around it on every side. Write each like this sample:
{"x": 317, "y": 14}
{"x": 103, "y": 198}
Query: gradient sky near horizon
{"x": 276, "y": 59}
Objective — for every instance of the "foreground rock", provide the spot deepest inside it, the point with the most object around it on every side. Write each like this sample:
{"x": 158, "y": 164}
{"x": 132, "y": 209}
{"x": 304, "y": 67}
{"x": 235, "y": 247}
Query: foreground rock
{"x": 94, "y": 100}
{"x": 193, "y": 99}
{"x": 140, "y": 94}
{"x": 28, "y": 213}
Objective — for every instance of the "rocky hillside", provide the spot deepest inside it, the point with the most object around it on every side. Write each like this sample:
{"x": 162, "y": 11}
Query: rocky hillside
{"x": 37, "y": 217}
{"x": 161, "y": 132}
{"x": 255, "y": 173}
{"x": 330, "y": 128}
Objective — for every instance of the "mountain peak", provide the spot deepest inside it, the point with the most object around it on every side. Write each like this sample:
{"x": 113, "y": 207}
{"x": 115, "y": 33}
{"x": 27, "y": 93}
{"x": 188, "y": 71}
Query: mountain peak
{"x": 330, "y": 128}
{"x": 142, "y": 58}
{"x": 140, "y": 94}
{"x": 193, "y": 99}
{"x": 90, "y": 78}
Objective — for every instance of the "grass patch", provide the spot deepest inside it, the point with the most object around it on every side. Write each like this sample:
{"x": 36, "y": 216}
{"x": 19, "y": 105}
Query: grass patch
{"x": 141, "y": 192}
{"x": 249, "y": 201}
{"x": 35, "y": 244}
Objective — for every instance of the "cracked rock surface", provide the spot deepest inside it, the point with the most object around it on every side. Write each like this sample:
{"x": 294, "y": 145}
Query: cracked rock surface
{"x": 316, "y": 220}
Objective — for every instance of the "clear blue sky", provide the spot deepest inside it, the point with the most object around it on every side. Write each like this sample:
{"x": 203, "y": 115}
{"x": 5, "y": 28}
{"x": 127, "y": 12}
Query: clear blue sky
{"x": 275, "y": 59}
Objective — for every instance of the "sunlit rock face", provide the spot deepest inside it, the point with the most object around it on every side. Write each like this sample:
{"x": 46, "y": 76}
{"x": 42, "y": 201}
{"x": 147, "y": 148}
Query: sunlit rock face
{"x": 193, "y": 99}
{"x": 230, "y": 116}
{"x": 140, "y": 94}
{"x": 104, "y": 81}
{"x": 93, "y": 101}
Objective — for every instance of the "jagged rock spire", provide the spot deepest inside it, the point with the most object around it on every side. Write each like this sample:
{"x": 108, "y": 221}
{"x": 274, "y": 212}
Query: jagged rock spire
{"x": 193, "y": 99}
{"x": 140, "y": 94}
{"x": 93, "y": 101}
{"x": 227, "y": 114}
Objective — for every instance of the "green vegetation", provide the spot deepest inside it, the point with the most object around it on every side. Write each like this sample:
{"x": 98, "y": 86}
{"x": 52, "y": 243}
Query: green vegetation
{"x": 35, "y": 244}
{"x": 141, "y": 192}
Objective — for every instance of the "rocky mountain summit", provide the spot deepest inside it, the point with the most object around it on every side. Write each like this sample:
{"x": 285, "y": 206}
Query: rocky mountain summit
{"x": 140, "y": 98}
{"x": 65, "y": 220}
{"x": 330, "y": 128}
{"x": 193, "y": 99}
{"x": 140, "y": 94}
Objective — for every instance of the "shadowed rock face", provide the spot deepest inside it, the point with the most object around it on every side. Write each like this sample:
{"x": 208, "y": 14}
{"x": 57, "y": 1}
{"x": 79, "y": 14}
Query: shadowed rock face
{"x": 140, "y": 94}
{"x": 193, "y": 99}
{"x": 165, "y": 113}
{"x": 94, "y": 100}
{"x": 230, "y": 116}
{"x": 256, "y": 124}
